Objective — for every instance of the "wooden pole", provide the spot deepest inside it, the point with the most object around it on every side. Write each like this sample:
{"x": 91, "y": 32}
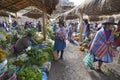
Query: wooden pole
{"x": 16, "y": 17}
{"x": 81, "y": 26}
{"x": 44, "y": 23}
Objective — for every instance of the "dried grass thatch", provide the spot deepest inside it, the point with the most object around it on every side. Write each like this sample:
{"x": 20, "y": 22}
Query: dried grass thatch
{"x": 100, "y": 7}
{"x": 5, "y": 14}
{"x": 16, "y": 5}
{"x": 35, "y": 14}
{"x": 69, "y": 17}
{"x": 97, "y": 7}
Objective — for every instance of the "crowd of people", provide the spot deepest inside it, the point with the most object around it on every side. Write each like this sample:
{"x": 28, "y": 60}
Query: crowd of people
{"x": 101, "y": 45}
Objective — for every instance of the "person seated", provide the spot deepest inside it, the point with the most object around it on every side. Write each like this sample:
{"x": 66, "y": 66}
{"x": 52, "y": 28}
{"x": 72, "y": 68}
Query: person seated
{"x": 23, "y": 43}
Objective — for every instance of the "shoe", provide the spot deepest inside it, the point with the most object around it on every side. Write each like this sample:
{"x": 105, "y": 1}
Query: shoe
{"x": 99, "y": 70}
{"x": 92, "y": 68}
{"x": 60, "y": 59}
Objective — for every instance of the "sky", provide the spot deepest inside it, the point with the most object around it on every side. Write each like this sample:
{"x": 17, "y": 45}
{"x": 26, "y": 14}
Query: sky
{"x": 76, "y": 2}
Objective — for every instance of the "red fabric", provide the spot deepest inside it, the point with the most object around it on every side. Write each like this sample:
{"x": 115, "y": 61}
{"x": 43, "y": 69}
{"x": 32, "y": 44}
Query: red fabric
{"x": 118, "y": 29}
{"x": 117, "y": 42}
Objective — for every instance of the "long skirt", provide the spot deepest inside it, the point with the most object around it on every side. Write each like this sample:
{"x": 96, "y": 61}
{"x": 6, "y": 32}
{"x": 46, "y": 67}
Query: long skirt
{"x": 59, "y": 44}
{"x": 106, "y": 58}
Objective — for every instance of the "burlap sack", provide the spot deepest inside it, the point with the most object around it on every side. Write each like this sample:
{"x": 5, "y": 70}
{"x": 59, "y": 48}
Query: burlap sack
{"x": 119, "y": 58}
{"x": 55, "y": 55}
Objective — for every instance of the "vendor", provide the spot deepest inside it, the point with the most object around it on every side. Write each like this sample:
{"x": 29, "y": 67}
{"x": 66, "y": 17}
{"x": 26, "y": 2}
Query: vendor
{"x": 23, "y": 43}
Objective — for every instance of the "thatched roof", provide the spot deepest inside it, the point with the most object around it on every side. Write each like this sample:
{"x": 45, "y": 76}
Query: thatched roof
{"x": 95, "y": 18}
{"x": 16, "y": 5}
{"x": 35, "y": 14}
{"x": 97, "y": 7}
{"x": 5, "y": 14}
{"x": 100, "y": 7}
{"x": 68, "y": 17}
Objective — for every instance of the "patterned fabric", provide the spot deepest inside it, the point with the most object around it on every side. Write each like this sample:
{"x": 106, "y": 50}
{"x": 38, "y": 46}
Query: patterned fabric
{"x": 99, "y": 46}
{"x": 62, "y": 33}
{"x": 60, "y": 41}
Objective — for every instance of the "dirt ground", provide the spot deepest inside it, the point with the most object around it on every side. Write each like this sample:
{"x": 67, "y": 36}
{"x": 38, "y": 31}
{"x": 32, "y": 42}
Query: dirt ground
{"x": 73, "y": 68}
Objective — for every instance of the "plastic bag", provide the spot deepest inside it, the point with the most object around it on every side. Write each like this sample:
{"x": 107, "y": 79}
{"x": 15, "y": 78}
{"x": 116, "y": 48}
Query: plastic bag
{"x": 119, "y": 58}
{"x": 44, "y": 76}
{"x": 88, "y": 60}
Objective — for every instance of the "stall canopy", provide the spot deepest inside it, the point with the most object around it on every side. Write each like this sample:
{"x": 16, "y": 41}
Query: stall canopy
{"x": 97, "y": 7}
{"x": 72, "y": 16}
{"x": 100, "y": 7}
{"x": 5, "y": 14}
{"x": 16, "y": 5}
{"x": 35, "y": 14}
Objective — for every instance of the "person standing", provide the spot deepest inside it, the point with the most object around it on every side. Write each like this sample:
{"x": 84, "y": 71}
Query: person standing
{"x": 70, "y": 31}
{"x": 101, "y": 48}
{"x": 87, "y": 29}
{"x": 39, "y": 26}
{"x": 60, "y": 41}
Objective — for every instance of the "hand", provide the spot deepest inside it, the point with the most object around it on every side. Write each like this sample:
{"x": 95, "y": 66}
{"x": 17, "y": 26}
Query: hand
{"x": 108, "y": 43}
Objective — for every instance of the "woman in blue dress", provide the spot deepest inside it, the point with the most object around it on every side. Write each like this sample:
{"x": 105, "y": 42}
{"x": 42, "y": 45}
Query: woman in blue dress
{"x": 60, "y": 41}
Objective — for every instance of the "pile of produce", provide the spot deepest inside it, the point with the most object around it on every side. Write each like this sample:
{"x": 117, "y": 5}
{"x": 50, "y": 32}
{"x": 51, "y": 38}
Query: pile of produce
{"x": 37, "y": 56}
{"x": 21, "y": 59}
{"x": 30, "y": 73}
{"x": 2, "y": 55}
{"x": 50, "y": 33}
{"x": 3, "y": 44}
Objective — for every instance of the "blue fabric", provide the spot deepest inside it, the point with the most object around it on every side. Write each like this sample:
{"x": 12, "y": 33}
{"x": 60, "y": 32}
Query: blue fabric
{"x": 44, "y": 76}
{"x": 74, "y": 42}
{"x": 59, "y": 44}
{"x": 87, "y": 31}
{"x": 106, "y": 58}
{"x": 101, "y": 40}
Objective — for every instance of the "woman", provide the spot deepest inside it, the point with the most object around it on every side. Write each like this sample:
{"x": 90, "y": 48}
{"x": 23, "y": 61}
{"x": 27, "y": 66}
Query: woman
{"x": 101, "y": 48}
{"x": 70, "y": 31}
{"x": 23, "y": 43}
{"x": 87, "y": 29}
{"x": 60, "y": 41}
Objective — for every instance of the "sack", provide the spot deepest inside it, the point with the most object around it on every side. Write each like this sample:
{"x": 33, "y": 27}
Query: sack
{"x": 55, "y": 55}
{"x": 88, "y": 60}
{"x": 119, "y": 58}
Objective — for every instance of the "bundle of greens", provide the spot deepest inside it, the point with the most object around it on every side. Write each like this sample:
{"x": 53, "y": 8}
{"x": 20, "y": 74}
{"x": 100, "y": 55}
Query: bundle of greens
{"x": 30, "y": 73}
{"x": 36, "y": 57}
{"x": 50, "y": 33}
{"x": 3, "y": 44}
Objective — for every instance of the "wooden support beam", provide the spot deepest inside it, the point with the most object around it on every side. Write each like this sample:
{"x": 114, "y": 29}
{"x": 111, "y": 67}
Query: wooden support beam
{"x": 81, "y": 26}
{"x": 44, "y": 23}
{"x": 16, "y": 17}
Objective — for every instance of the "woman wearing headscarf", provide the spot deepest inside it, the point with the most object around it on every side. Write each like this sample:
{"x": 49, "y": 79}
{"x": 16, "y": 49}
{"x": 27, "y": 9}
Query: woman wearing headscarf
{"x": 101, "y": 48}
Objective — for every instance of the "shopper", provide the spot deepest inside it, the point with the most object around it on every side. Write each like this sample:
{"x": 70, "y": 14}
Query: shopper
{"x": 101, "y": 48}
{"x": 60, "y": 41}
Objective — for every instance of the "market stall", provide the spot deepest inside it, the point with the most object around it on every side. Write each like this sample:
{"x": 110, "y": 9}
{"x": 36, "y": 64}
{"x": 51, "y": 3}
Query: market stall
{"x": 36, "y": 59}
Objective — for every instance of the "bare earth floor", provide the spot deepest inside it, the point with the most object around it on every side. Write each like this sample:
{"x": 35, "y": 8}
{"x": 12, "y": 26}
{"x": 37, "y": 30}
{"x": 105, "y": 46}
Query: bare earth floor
{"x": 73, "y": 68}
